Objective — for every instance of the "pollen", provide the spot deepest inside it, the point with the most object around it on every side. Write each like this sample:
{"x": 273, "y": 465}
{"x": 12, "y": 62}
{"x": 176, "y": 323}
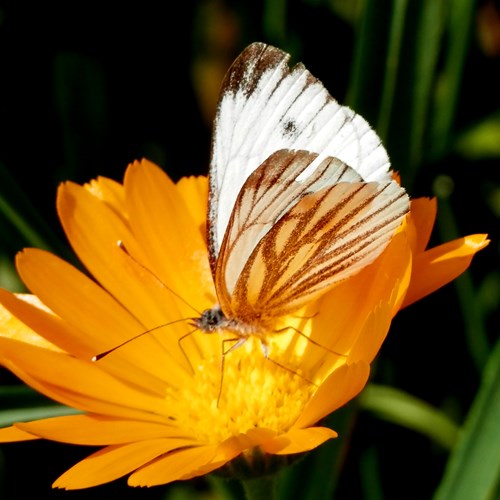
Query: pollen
{"x": 251, "y": 391}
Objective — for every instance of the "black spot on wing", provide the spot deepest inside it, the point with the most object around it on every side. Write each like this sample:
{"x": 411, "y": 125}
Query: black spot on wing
{"x": 289, "y": 128}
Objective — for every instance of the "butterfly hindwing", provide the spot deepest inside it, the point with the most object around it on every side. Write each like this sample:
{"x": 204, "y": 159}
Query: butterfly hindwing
{"x": 270, "y": 191}
{"x": 291, "y": 236}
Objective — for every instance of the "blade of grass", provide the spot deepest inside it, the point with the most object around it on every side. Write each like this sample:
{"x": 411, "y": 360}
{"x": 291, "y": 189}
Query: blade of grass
{"x": 473, "y": 470}
{"x": 391, "y": 66}
{"x": 8, "y": 417}
{"x": 27, "y": 231}
{"x": 461, "y": 20}
{"x": 431, "y": 24}
{"x": 274, "y": 21}
{"x": 401, "y": 408}
{"x": 369, "y": 49}
{"x": 23, "y": 216}
{"x": 371, "y": 483}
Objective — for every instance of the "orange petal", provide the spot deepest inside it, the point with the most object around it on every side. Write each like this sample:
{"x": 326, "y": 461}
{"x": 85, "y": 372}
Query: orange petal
{"x": 174, "y": 466}
{"x": 423, "y": 215}
{"x": 340, "y": 387}
{"x": 299, "y": 440}
{"x": 170, "y": 238}
{"x": 344, "y": 310}
{"x": 11, "y": 434}
{"x": 94, "y": 232}
{"x": 372, "y": 335}
{"x": 76, "y": 298}
{"x": 440, "y": 265}
{"x": 12, "y": 327}
{"x": 97, "y": 430}
{"x": 79, "y": 384}
{"x": 231, "y": 448}
{"x": 114, "y": 462}
{"x": 194, "y": 191}
{"x": 95, "y": 320}
{"x": 111, "y": 193}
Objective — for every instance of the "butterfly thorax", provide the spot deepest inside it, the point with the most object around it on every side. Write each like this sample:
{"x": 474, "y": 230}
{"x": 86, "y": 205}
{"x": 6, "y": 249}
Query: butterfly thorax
{"x": 214, "y": 320}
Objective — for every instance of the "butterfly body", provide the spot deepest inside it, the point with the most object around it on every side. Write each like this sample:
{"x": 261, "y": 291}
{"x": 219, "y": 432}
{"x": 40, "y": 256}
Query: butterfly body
{"x": 214, "y": 320}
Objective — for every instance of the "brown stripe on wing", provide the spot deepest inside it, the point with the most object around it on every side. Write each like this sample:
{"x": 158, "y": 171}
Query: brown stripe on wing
{"x": 267, "y": 195}
{"x": 345, "y": 260}
{"x": 327, "y": 237}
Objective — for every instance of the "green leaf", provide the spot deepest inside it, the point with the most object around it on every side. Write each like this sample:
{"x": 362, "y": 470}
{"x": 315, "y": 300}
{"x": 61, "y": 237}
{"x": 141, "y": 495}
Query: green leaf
{"x": 431, "y": 23}
{"x": 461, "y": 18}
{"x": 482, "y": 140}
{"x": 392, "y": 66}
{"x": 401, "y": 408}
{"x": 473, "y": 470}
{"x": 8, "y": 417}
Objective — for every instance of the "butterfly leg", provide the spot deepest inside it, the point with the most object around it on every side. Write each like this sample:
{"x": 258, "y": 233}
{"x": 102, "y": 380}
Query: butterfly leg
{"x": 239, "y": 341}
{"x": 179, "y": 340}
{"x": 265, "y": 351}
{"x": 317, "y": 344}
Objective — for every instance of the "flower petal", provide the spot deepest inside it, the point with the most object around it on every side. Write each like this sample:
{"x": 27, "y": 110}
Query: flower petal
{"x": 341, "y": 313}
{"x": 194, "y": 191}
{"x": 372, "y": 335}
{"x": 440, "y": 265}
{"x": 79, "y": 384}
{"x": 177, "y": 465}
{"x": 83, "y": 304}
{"x": 111, "y": 193}
{"x": 423, "y": 215}
{"x": 97, "y": 430}
{"x": 114, "y": 462}
{"x": 171, "y": 241}
{"x": 95, "y": 321}
{"x": 94, "y": 231}
{"x": 340, "y": 387}
{"x": 299, "y": 440}
{"x": 13, "y": 328}
{"x": 12, "y": 434}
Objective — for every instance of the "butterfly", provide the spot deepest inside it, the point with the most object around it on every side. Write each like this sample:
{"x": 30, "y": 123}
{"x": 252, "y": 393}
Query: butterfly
{"x": 301, "y": 195}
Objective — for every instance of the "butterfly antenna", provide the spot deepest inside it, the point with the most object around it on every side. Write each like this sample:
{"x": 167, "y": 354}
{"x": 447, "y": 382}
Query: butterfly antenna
{"x": 101, "y": 355}
{"x": 122, "y": 246}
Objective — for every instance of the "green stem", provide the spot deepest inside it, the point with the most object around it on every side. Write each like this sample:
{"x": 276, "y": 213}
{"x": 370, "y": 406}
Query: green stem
{"x": 391, "y": 67}
{"x": 262, "y": 488}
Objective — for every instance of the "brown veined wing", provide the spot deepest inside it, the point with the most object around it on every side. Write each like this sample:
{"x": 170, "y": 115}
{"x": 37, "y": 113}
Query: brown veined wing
{"x": 300, "y": 224}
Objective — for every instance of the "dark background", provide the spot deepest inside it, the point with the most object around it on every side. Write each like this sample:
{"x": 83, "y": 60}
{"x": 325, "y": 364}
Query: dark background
{"x": 86, "y": 88}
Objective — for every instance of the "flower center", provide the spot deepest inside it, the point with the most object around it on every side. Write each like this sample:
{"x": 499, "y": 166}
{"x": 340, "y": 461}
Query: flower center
{"x": 251, "y": 391}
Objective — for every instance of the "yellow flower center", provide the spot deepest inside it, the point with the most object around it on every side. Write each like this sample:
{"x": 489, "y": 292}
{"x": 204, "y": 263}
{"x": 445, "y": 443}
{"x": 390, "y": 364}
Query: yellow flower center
{"x": 252, "y": 391}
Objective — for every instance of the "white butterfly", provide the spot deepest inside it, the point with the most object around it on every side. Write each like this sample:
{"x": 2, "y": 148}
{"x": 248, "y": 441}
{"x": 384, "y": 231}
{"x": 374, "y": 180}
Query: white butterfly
{"x": 301, "y": 194}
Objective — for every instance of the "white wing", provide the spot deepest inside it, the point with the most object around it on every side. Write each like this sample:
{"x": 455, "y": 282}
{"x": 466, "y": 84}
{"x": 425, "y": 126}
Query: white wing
{"x": 266, "y": 106}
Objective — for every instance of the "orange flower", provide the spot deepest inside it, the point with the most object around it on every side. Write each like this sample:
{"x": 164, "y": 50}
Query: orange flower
{"x": 435, "y": 267}
{"x": 152, "y": 403}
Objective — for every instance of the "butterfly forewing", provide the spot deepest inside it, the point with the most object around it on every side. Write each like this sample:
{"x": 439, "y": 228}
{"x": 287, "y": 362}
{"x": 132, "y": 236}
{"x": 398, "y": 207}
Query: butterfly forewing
{"x": 265, "y": 106}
